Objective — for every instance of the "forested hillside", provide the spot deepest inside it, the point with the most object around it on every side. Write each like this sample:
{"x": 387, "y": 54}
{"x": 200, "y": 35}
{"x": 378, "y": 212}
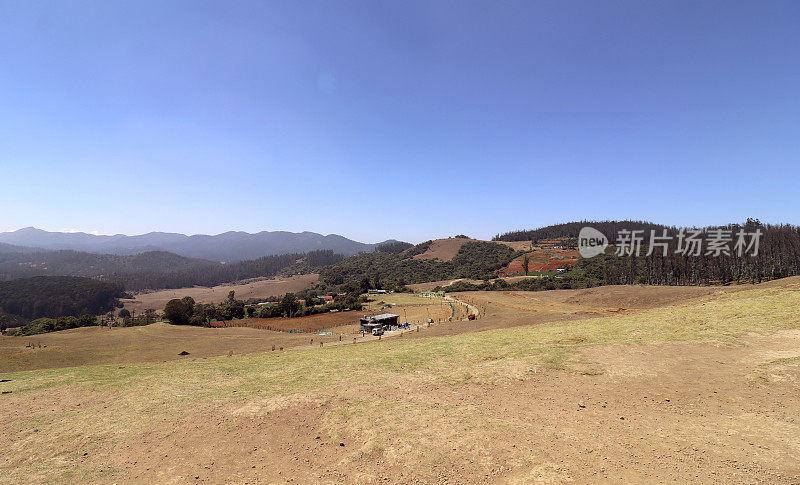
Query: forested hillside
{"x": 155, "y": 269}
{"x": 571, "y": 229}
{"x": 778, "y": 256}
{"x": 57, "y": 296}
{"x": 391, "y": 269}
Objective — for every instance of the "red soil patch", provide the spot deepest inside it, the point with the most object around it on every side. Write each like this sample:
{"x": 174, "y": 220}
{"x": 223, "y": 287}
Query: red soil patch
{"x": 543, "y": 259}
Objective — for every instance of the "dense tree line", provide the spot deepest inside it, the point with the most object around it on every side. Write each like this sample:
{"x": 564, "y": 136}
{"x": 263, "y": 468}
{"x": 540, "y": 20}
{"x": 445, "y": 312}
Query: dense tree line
{"x": 185, "y": 311}
{"x": 44, "y": 325}
{"x": 570, "y": 230}
{"x": 57, "y": 296}
{"x": 394, "y": 247}
{"x": 778, "y": 257}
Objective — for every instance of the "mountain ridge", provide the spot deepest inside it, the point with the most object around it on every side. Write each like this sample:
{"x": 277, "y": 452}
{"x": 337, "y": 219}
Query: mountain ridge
{"x": 230, "y": 246}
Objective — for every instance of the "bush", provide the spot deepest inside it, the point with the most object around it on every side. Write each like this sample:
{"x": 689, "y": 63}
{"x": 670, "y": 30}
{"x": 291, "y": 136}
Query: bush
{"x": 44, "y": 325}
{"x": 179, "y": 312}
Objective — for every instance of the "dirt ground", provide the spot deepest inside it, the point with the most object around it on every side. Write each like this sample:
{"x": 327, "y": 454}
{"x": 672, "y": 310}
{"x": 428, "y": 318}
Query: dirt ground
{"x": 542, "y": 259}
{"x": 158, "y": 342}
{"x": 252, "y": 289}
{"x": 446, "y": 249}
{"x": 607, "y": 385}
{"x": 433, "y": 284}
{"x": 162, "y": 342}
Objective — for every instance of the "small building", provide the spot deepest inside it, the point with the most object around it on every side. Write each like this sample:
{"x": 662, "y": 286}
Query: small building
{"x": 384, "y": 320}
{"x": 376, "y": 292}
{"x": 432, "y": 294}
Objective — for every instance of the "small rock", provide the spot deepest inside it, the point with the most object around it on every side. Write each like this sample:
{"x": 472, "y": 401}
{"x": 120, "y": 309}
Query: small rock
{"x": 581, "y": 405}
{"x": 184, "y": 353}
{"x": 341, "y": 444}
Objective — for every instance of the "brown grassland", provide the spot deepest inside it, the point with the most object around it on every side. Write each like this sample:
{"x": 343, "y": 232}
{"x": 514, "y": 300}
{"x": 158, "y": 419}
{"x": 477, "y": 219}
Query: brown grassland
{"x": 446, "y": 249}
{"x": 613, "y": 384}
{"x": 261, "y": 288}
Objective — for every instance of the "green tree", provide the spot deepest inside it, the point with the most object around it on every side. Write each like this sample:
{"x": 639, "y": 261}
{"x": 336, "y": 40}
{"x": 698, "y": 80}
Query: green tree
{"x": 149, "y": 315}
{"x": 526, "y": 264}
{"x": 179, "y": 312}
{"x": 288, "y": 305}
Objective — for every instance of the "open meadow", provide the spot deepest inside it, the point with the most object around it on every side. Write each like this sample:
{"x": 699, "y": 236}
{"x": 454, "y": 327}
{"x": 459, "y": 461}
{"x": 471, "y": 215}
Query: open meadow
{"x": 637, "y": 384}
{"x": 259, "y": 288}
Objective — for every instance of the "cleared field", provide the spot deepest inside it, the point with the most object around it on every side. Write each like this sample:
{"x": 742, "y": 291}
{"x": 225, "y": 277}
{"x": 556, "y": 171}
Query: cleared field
{"x": 698, "y": 386}
{"x": 411, "y": 308}
{"x": 251, "y": 289}
{"x": 311, "y": 323}
{"x": 446, "y": 249}
{"x": 433, "y": 284}
{"x": 542, "y": 259}
{"x": 150, "y": 343}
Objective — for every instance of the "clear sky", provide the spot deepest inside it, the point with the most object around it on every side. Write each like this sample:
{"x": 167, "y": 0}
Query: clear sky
{"x": 396, "y": 119}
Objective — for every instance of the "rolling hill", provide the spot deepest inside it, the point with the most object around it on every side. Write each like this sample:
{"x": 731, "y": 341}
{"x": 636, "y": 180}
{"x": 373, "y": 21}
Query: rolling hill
{"x": 229, "y": 246}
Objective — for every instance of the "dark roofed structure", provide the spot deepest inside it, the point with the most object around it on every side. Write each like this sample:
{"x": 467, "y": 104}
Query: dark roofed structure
{"x": 384, "y": 320}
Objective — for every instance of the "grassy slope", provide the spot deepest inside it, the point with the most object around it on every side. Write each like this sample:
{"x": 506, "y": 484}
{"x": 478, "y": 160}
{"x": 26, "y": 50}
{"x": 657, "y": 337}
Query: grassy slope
{"x": 116, "y": 398}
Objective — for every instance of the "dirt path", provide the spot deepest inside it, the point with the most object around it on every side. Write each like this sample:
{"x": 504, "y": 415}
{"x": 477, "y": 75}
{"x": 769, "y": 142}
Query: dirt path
{"x": 471, "y": 309}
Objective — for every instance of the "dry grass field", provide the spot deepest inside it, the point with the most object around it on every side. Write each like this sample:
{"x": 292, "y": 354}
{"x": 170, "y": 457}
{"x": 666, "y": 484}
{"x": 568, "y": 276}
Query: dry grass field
{"x": 252, "y": 289}
{"x": 616, "y": 384}
{"x": 433, "y": 284}
{"x": 446, "y": 249}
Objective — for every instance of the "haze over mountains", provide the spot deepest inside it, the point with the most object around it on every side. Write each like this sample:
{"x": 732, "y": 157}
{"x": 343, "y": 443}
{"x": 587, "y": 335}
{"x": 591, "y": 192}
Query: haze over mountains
{"x": 229, "y": 246}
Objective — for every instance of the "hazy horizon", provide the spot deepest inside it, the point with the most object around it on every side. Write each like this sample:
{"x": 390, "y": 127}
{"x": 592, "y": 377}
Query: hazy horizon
{"x": 406, "y": 121}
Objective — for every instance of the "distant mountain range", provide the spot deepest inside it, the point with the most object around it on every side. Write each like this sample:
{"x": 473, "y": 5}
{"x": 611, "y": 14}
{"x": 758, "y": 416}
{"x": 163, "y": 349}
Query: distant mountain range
{"x": 228, "y": 246}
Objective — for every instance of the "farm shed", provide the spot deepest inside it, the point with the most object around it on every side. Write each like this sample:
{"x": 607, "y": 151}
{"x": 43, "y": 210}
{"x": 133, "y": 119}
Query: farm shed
{"x": 384, "y": 320}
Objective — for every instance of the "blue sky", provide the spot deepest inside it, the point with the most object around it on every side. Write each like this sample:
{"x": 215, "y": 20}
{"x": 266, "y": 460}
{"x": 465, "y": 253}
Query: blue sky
{"x": 406, "y": 120}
